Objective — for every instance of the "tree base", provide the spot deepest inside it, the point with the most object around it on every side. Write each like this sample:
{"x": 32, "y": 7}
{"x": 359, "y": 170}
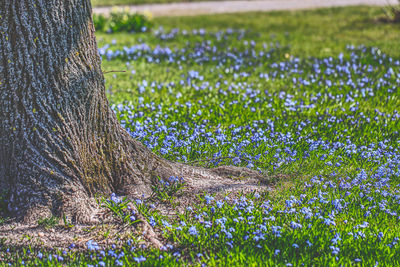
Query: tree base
{"x": 92, "y": 221}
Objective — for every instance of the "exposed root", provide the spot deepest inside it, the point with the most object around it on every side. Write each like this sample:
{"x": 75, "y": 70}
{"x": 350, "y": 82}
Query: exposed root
{"x": 77, "y": 207}
{"x": 149, "y": 233}
{"x": 239, "y": 172}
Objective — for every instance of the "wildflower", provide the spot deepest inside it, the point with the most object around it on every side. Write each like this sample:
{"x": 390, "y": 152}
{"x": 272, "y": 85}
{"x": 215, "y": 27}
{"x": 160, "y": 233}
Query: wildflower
{"x": 114, "y": 199}
{"x": 336, "y": 239}
{"x": 152, "y": 222}
{"x": 166, "y": 224}
{"x": 208, "y": 199}
{"x": 91, "y": 245}
{"x": 276, "y": 230}
{"x": 295, "y": 225}
{"x": 335, "y": 250}
{"x": 236, "y": 160}
{"x": 380, "y": 236}
{"x": 139, "y": 259}
{"x": 193, "y": 231}
{"x": 329, "y": 221}
{"x": 363, "y": 225}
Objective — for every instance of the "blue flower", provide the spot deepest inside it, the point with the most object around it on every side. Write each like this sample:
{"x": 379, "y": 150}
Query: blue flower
{"x": 139, "y": 259}
{"x": 92, "y": 245}
{"x": 295, "y": 225}
{"x": 193, "y": 231}
{"x": 208, "y": 199}
{"x": 335, "y": 250}
{"x": 152, "y": 222}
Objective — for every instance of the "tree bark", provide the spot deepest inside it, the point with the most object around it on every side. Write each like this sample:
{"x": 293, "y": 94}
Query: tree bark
{"x": 59, "y": 140}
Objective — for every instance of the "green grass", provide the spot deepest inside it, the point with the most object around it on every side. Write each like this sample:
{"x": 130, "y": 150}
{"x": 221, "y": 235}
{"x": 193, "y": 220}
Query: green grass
{"x": 331, "y": 144}
{"x": 49, "y": 222}
{"x": 321, "y": 32}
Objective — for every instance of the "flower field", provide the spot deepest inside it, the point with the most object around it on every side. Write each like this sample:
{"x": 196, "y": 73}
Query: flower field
{"x": 325, "y": 128}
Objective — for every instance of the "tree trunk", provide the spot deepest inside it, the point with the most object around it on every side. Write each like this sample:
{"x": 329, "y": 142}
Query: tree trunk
{"x": 60, "y": 143}
{"x": 59, "y": 140}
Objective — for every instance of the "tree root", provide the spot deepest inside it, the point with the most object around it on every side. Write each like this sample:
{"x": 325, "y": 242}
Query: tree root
{"x": 149, "y": 233}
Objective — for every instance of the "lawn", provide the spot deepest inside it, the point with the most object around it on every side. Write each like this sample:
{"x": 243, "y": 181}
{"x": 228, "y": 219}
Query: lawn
{"x": 310, "y": 98}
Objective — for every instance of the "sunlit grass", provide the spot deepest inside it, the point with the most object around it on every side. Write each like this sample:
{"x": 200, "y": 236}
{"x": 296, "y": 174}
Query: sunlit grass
{"x": 287, "y": 93}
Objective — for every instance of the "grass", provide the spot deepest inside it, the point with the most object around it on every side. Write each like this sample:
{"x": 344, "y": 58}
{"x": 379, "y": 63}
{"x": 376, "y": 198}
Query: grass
{"x": 49, "y": 222}
{"x": 292, "y": 94}
{"x": 318, "y": 33}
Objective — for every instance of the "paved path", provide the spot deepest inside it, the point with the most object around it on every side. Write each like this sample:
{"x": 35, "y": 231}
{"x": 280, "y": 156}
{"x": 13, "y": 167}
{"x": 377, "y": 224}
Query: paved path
{"x": 217, "y": 7}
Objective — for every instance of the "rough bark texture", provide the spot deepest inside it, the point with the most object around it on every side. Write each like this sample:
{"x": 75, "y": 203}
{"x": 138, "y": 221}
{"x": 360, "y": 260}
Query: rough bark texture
{"x": 59, "y": 140}
{"x": 60, "y": 143}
